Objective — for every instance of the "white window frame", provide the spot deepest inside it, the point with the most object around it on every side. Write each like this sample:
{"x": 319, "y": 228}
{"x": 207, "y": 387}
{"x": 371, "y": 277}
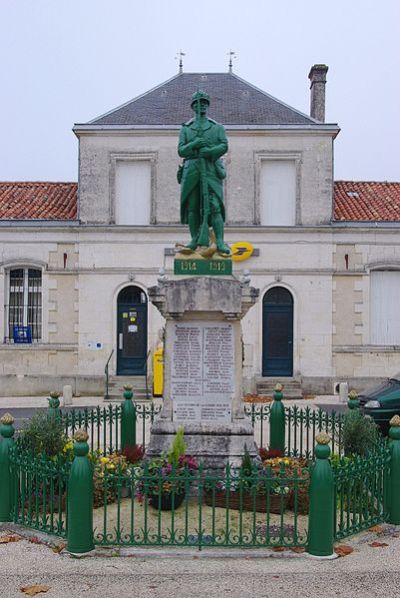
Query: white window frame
{"x": 133, "y": 157}
{"x": 259, "y": 157}
{"x": 25, "y": 268}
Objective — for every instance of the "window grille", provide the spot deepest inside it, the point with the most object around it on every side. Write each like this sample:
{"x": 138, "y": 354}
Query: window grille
{"x": 24, "y": 307}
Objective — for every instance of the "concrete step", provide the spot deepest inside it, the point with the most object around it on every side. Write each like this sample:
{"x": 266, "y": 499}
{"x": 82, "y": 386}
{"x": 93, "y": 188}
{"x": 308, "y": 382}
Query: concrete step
{"x": 116, "y": 387}
{"x": 291, "y": 387}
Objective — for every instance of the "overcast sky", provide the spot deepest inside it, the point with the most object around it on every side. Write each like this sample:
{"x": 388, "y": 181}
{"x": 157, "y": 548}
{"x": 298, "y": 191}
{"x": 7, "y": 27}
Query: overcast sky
{"x": 67, "y": 61}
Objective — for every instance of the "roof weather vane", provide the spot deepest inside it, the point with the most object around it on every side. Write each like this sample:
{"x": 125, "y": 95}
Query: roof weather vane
{"x": 231, "y": 55}
{"x": 180, "y": 55}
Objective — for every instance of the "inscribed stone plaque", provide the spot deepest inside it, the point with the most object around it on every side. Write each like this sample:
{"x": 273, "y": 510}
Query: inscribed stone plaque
{"x": 202, "y": 373}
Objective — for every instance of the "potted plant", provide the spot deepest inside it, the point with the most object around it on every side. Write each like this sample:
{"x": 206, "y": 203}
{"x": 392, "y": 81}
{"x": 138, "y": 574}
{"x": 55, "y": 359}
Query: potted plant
{"x": 165, "y": 479}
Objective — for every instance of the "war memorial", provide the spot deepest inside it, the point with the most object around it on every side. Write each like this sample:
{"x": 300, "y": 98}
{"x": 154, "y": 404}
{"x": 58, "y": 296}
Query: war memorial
{"x": 203, "y": 306}
{"x": 199, "y": 479}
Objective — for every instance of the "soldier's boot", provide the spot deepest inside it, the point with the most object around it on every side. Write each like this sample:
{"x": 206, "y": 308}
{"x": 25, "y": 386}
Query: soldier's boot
{"x": 193, "y": 221}
{"x": 218, "y": 228}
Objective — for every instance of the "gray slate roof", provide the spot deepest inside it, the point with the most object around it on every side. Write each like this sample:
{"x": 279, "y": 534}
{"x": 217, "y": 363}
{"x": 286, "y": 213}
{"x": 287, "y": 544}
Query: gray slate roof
{"x": 233, "y": 102}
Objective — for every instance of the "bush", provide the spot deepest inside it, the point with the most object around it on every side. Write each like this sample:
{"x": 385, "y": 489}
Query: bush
{"x": 43, "y": 434}
{"x": 360, "y": 433}
{"x": 178, "y": 448}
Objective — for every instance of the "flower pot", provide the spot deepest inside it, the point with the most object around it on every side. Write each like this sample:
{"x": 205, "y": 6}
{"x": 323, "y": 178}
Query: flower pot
{"x": 247, "y": 502}
{"x": 166, "y": 501}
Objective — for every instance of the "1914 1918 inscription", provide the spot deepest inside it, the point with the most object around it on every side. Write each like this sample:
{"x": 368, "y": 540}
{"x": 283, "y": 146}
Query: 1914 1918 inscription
{"x": 202, "y": 374}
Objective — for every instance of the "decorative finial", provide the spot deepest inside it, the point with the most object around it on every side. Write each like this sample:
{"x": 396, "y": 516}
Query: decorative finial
{"x": 231, "y": 55}
{"x": 81, "y": 435}
{"x": 245, "y": 278}
{"x": 179, "y": 56}
{"x": 323, "y": 438}
{"x": 7, "y": 419}
{"x": 162, "y": 277}
{"x": 395, "y": 421}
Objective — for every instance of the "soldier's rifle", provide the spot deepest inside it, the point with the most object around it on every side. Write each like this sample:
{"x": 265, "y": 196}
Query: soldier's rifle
{"x": 203, "y": 238}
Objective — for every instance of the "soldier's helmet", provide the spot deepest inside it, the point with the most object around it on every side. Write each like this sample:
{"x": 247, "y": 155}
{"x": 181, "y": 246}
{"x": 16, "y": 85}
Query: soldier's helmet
{"x": 200, "y": 95}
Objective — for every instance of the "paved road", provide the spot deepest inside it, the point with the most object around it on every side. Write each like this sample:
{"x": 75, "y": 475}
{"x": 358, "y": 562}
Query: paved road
{"x": 367, "y": 572}
{"x": 21, "y": 414}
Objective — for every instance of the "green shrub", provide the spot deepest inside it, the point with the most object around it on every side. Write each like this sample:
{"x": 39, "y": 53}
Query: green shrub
{"x": 247, "y": 466}
{"x": 360, "y": 433}
{"x": 43, "y": 434}
{"x": 178, "y": 448}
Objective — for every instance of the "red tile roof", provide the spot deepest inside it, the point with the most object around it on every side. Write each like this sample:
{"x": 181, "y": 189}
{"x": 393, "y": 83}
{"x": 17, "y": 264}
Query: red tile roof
{"x": 38, "y": 201}
{"x": 354, "y": 201}
{"x": 367, "y": 201}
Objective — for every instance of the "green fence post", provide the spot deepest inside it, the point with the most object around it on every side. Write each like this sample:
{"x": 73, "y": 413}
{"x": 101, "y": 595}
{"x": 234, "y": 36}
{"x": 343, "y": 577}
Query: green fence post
{"x": 277, "y": 421}
{"x": 353, "y": 402}
{"x": 128, "y": 419}
{"x": 6, "y": 479}
{"x": 394, "y": 498}
{"x": 80, "y": 497}
{"x": 54, "y": 405}
{"x": 320, "y": 520}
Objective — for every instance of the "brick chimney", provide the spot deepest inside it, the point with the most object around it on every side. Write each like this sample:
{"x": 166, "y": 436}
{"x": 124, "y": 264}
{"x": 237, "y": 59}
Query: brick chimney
{"x": 317, "y": 76}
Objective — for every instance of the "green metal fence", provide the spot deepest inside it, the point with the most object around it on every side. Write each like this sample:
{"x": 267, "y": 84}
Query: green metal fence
{"x": 202, "y": 508}
{"x": 301, "y": 428}
{"x": 103, "y": 425}
{"x": 361, "y": 491}
{"x": 40, "y": 491}
{"x": 274, "y": 504}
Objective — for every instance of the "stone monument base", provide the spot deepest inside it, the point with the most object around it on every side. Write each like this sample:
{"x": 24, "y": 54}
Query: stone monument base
{"x": 212, "y": 444}
{"x": 203, "y": 369}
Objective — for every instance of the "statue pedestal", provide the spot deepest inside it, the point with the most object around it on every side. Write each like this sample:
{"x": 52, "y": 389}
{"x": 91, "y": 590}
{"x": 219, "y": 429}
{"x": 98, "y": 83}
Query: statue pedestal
{"x": 203, "y": 368}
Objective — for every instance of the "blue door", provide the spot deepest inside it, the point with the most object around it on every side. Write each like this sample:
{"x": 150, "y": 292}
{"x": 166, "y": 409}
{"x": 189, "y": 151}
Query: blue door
{"x": 132, "y": 332}
{"x": 277, "y": 333}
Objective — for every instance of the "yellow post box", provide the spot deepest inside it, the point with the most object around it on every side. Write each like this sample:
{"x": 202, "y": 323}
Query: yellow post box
{"x": 158, "y": 371}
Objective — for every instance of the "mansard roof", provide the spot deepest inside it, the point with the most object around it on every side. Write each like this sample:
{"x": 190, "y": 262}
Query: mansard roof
{"x": 233, "y": 102}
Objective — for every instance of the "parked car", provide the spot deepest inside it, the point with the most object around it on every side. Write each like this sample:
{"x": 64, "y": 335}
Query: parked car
{"x": 382, "y": 402}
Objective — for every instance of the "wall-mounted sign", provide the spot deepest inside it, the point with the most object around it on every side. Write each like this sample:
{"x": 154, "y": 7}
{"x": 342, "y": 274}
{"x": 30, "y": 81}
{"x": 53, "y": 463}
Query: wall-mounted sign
{"x": 241, "y": 251}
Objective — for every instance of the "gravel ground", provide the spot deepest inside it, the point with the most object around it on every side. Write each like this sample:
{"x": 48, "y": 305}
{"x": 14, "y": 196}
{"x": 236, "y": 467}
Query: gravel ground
{"x": 367, "y": 571}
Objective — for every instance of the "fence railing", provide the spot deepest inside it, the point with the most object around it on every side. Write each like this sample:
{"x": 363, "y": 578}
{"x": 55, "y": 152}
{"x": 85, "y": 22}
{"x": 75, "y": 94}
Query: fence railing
{"x": 301, "y": 428}
{"x": 201, "y": 508}
{"x": 361, "y": 491}
{"x": 103, "y": 424}
{"x": 306, "y": 498}
{"x": 40, "y": 486}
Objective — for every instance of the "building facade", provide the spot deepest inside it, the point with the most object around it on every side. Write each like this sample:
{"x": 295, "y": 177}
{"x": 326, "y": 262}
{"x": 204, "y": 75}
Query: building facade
{"x": 76, "y": 260}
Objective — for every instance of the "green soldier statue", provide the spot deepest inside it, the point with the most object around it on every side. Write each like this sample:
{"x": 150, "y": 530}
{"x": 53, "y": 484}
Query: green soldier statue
{"x": 202, "y": 142}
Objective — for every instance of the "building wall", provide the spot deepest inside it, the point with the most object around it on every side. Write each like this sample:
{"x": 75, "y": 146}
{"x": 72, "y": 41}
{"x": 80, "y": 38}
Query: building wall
{"x": 312, "y": 153}
{"x": 354, "y": 356}
{"x": 331, "y": 303}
